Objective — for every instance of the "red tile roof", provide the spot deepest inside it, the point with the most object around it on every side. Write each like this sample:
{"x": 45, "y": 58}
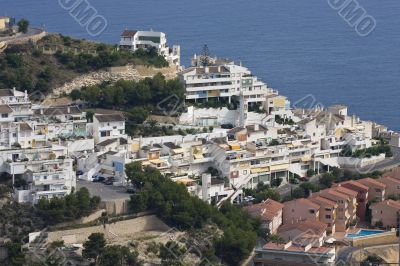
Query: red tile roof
{"x": 128, "y": 33}
{"x": 309, "y": 227}
{"x": 371, "y": 182}
{"x": 302, "y": 201}
{"x": 391, "y": 203}
{"x": 389, "y": 178}
{"x": 346, "y": 191}
{"x": 323, "y": 201}
{"x": 266, "y": 210}
{"x": 355, "y": 184}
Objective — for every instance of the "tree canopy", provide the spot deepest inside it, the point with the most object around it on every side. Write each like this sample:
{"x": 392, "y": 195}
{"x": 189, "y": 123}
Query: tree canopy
{"x": 73, "y": 206}
{"x": 23, "y": 25}
{"x": 178, "y": 208}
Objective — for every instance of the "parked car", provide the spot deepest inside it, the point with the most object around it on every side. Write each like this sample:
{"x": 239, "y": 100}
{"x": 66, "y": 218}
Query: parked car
{"x": 131, "y": 189}
{"x": 98, "y": 178}
{"x": 79, "y": 172}
{"x": 108, "y": 181}
{"x": 249, "y": 199}
{"x": 227, "y": 126}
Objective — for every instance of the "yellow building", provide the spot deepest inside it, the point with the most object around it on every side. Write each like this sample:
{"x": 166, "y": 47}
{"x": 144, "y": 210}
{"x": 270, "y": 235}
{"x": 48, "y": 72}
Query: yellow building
{"x": 4, "y": 22}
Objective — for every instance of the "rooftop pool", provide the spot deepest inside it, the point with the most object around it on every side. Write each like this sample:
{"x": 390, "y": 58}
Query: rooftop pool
{"x": 365, "y": 232}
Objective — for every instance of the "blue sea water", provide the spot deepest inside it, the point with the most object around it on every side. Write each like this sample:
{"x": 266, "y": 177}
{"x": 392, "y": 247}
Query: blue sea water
{"x": 298, "y": 47}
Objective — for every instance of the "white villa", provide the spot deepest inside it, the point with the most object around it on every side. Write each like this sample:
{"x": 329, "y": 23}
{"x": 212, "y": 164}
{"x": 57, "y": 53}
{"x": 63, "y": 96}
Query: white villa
{"x": 134, "y": 40}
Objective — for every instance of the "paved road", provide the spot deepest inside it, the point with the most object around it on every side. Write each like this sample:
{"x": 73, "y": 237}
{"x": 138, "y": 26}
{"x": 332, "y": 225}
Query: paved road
{"x": 386, "y": 164}
{"x": 344, "y": 254}
{"x": 106, "y": 193}
{"x": 31, "y": 32}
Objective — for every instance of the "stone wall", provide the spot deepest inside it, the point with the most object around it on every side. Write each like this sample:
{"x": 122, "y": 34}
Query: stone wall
{"x": 125, "y": 228}
{"x": 23, "y": 39}
{"x": 378, "y": 239}
{"x": 116, "y": 207}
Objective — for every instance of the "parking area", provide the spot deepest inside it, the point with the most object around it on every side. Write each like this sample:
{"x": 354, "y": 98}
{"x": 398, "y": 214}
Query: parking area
{"x": 106, "y": 193}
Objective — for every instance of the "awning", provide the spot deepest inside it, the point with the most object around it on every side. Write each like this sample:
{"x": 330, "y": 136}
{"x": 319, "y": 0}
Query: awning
{"x": 185, "y": 181}
{"x": 198, "y": 156}
{"x": 259, "y": 170}
{"x": 329, "y": 161}
{"x": 106, "y": 171}
{"x": 234, "y": 147}
{"x": 306, "y": 158}
{"x": 224, "y": 146}
{"x": 279, "y": 167}
{"x": 295, "y": 169}
{"x": 157, "y": 161}
{"x": 177, "y": 151}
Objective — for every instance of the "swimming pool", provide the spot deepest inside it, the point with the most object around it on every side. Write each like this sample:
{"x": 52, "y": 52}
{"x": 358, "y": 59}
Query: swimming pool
{"x": 364, "y": 232}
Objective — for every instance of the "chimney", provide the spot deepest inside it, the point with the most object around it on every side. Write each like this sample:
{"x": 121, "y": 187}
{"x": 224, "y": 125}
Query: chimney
{"x": 14, "y": 90}
{"x": 256, "y": 127}
{"x": 41, "y": 111}
{"x": 68, "y": 109}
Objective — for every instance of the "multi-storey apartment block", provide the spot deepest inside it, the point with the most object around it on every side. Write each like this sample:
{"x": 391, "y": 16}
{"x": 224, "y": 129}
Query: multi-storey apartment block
{"x": 226, "y": 82}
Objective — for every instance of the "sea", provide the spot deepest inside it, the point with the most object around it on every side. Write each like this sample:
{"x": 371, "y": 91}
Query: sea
{"x": 306, "y": 49}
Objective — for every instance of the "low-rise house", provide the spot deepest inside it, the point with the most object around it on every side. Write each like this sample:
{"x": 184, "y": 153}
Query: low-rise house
{"x": 108, "y": 126}
{"x": 362, "y": 196}
{"x": 376, "y": 189}
{"x": 385, "y": 213}
{"x": 392, "y": 186}
{"x": 327, "y": 212}
{"x": 304, "y": 233}
{"x": 300, "y": 210}
{"x": 270, "y": 213}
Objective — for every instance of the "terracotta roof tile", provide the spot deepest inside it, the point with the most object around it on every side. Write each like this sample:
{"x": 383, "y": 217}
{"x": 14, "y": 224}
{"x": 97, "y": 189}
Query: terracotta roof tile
{"x": 266, "y": 210}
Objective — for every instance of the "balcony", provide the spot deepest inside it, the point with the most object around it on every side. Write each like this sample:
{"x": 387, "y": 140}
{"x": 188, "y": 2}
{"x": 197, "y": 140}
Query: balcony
{"x": 42, "y": 182}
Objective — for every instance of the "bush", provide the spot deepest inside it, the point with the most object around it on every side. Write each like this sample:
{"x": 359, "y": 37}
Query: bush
{"x": 310, "y": 172}
{"x": 73, "y": 206}
{"x": 23, "y": 25}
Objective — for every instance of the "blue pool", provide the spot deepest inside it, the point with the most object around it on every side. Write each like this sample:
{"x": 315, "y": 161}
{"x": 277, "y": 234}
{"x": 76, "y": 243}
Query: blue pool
{"x": 364, "y": 232}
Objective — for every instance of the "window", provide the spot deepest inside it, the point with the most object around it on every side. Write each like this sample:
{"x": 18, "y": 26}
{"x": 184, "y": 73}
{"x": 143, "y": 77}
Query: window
{"x": 328, "y": 216}
{"x": 4, "y": 115}
{"x": 311, "y": 211}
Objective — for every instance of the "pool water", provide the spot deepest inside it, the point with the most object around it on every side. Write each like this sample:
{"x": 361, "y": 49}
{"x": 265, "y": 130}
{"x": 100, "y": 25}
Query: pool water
{"x": 364, "y": 232}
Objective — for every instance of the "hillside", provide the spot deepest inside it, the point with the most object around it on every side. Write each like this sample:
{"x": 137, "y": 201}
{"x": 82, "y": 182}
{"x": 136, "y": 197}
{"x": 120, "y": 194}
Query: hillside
{"x": 58, "y": 59}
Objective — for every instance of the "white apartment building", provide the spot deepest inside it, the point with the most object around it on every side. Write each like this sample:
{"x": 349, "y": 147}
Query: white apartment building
{"x": 227, "y": 82}
{"x": 18, "y": 101}
{"x": 47, "y": 171}
{"x": 107, "y": 126}
{"x": 134, "y": 40}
